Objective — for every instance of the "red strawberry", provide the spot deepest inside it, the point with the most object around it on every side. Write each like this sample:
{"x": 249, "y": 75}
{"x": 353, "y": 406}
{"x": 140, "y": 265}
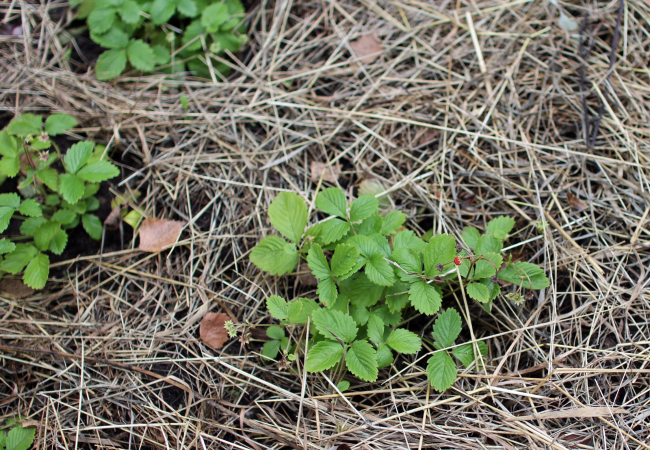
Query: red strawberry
{"x": 457, "y": 261}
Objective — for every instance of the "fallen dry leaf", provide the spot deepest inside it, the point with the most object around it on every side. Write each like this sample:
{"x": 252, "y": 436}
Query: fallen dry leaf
{"x": 575, "y": 202}
{"x": 589, "y": 411}
{"x": 212, "y": 329}
{"x": 367, "y": 48}
{"x": 155, "y": 234}
{"x": 14, "y": 288}
{"x": 114, "y": 218}
{"x": 330, "y": 173}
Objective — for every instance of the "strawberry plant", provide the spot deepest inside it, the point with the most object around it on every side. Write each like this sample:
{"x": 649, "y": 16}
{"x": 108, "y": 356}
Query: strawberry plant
{"x": 171, "y": 35}
{"x": 372, "y": 272}
{"x": 50, "y": 203}
{"x": 18, "y": 437}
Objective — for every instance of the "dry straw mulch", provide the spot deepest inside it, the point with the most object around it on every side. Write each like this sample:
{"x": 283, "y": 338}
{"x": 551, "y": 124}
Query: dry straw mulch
{"x": 472, "y": 110}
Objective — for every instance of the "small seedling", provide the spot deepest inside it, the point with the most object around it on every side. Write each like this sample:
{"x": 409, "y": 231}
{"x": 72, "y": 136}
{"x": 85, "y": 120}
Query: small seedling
{"x": 52, "y": 203}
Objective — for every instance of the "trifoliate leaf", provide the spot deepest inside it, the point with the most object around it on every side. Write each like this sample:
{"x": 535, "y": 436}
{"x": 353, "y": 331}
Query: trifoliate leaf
{"x": 101, "y": 20}
{"x": 98, "y": 171}
{"x": 441, "y": 371}
{"x": 288, "y": 214}
{"x": 470, "y": 236}
{"x": 366, "y": 245}
{"x": 323, "y": 355}
{"x": 6, "y": 213}
{"x": 487, "y": 269}
{"x": 408, "y": 261}
{"x": 446, "y": 328}
{"x": 6, "y": 246}
{"x": 49, "y": 177}
{"x": 56, "y": 124}
{"x": 11, "y": 200}
{"x": 526, "y": 275}
{"x": 465, "y": 353}
{"x": 397, "y": 297}
{"x": 37, "y": 271}
{"x": 344, "y": 258}
{"x": 58, "y": 242}
{"x": 71, "y": 188}
{"x": 317, "y": 262}
{"x": 392, "y": 222}
{"x": 370, "y": 225}
{"x": 213, "y": 16}
{"x": 333, "y": 230}
{"x": 332, "y": 201}
{"x": 327, "y": 292}
{"x": 44, "y": 234}
{"x": 364, "y": 206}
{"x": 277, "y": 307}
{"x": 441, "y": 249}
{"x": 335, "y": 325}
{"x": 64, "y": 216}
{"x": 78, "y": 155}
{"x": 375, "y": 329}
{"x": 275, "y": 255}
{"x": 25, "y": 125}
{"x": 308, "y": 306}
{"x": 488, "y": 244}
{"x": 110, "y": 64}
{"x": 29, "y": 226}
{"x": 364, "y": 292}
{"x": 384, "y": 356}
{"x": 270, "y": 349}
{"x": 404, "y": 341}
{"x": 275, "y": 332}
{"x": 187, "y": 8}
{"x": 501, "y": 226}
{"x": 478, "y": 292}
{"x": 16, "y": 261}
{"x": 20, "y": 438}
{"x": 424, "y": 297}
{"x": 380, "y": 271}
{"x": 161, "y": 11}
{"x": 140, "y": 56}
{"x": 361, "y": 360}
{"x": 114, "y": 38}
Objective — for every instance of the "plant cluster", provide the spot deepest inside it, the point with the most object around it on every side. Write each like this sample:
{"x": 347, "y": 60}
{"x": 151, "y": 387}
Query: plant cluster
{"x": 171, "y": 35}
{"x": 370, "y": 270}
{"x": 18, "y": 438}
{"x": 52, "y": 203}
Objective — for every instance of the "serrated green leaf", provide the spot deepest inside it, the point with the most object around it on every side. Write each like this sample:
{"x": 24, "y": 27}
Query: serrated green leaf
{"x": 369, "y": 225}
{"x": 384, "y": 356}
{"x": 380, "y": 271}
{"x": 78, "y": 155}
{"x": 364, "y": 292}
{"x": 488, "y": 244}
{"x": 8, "y": 144}
{"x": 6, "y": 246}
{"x": 308, "y": 306}
{"x": 501, "y": 226}
{"x": 192, "y": 32}
{"x": 376, "y": 329}
{"x": 392, "y": 222}
{"x": 360, "y": 314}
{"x": 327, "y": 292}
{"x": 275, "y": 255}
{"x": 335, "y": 325}
{"x": 71, "y": 188}
{"x": 64, "y": 216}
{"x": 25, "y": 125}
{"x": 356, "y": 268}
{"x": 478, "y": 292}
{"x": 493, "y": 289}
{"x": 397, "y": 297}
{"x": 526, "y": 275}
{"x": 213, "y": 16}
{"x": 470, "y": 236}
{"x": 6, "y": 213}
{"x": 332, "y": 201}
{"x": 465, "y": 353}
{"x": 31, "y": 208}
{"x": 318, "y": 263}
{"x": 187, "y": 8}
{"x": 275, "y": 332}
{"x": 57, "y": 124}
{"x": 10, "y": 166}
{"x": 270, "y": 349}
{"x": 288, "y": 214}
{"x": 382, "y": 244}
{"x": 141, "y": 57}
{"x": 408, "y": 261}
{"x": 101, "y": 20}
{"x": 161, "y": 11}
{"x": 446, "y": 328}
{"x": 49, "y": 177}
{"x": 44, "y": 234}
{"x": 333, "y": 230}
{"x": 389, "y": 318}
{"x": 278, "y": 307}
{"x": 323, "y": 355}
{"x": 487, "y": 269}
{"x": 441, "y": 371}
{"x": 3, "y": 439}
{"x": 20, "y": 438}
{"x": 364, "y": 206}
{"x": 366, "y": 245}
{"x": 343, "y": 386}
{"x": 58, "y": 242}
{"x": 130, "y": 12}
{"x": 424, "y": 297}
{"x": 163, "y": 56}
{"x": 404, "y": 341}
{"x": 361, "y": 360}
{"x": 29, "y": 226}
{"x": 110, "y": 64}
{"x": 441, "y": 249}
{"x": 344, "y": 258}
{"x": 114, "y": 38}
{"x": 98, "y": 171}
{"x": 16, "y": 261}
{"x": 11, "y": 200}
{"x": 93, "y": 226}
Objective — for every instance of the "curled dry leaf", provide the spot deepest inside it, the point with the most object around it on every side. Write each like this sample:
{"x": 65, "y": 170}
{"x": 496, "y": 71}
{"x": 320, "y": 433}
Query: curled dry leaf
{"x": 155, "y": 234}
{"x": 575, "y": 202}
{"x": 212, "y": 330}
{"x": 14, "y": 288}
{"x": 114, "y": 218}
{"x": 367, "y": 48}
{"x": 329, "y": 173}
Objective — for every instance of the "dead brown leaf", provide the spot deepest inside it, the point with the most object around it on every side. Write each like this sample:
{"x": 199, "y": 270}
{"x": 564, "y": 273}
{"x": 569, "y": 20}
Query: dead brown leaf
{"x": 114, "y": 218}
{"x": 575, "y": 202}
{"x": 588, "y": 411}
{"x": 212, "y": 329}
{"x": 14, "y": 288}
{"x": 367, "y": 48}
{"x": 331, "y": 173}
{"x": 155, "y": 234}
